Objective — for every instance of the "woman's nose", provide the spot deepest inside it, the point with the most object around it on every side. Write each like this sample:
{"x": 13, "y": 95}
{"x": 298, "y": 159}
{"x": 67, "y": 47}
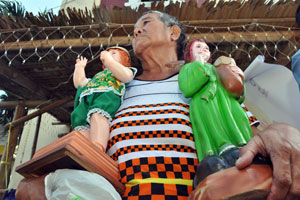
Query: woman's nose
{"x": 137, "y": 31}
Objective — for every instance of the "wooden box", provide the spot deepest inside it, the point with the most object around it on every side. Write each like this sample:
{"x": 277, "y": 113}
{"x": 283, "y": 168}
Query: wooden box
{"x": 72, "y": 151}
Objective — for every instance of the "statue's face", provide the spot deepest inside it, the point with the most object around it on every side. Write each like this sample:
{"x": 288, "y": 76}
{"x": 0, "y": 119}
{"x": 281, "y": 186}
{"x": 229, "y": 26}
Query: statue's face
{"x": 200, "y": 49}
{"x": 115, "y": 54}
{"x": 149, "y": 32}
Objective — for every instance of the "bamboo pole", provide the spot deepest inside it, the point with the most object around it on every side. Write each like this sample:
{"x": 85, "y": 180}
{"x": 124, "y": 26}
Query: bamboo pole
{"x": 10, "y": 148}
{"x": 39, "y": 112}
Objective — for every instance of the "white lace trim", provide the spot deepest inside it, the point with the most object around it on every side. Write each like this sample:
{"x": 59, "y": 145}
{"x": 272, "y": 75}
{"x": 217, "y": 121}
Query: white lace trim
{"x": 86, "y": 80}
{"x": 80, "y": 128}
{"x": 99, "y": 111}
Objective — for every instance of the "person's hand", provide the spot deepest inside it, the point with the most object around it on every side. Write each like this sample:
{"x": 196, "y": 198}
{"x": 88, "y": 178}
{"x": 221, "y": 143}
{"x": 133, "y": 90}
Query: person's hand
{"x": 31, "y": 189}
{"x": 81, "y": 62}
{"x": 281, "y": 143}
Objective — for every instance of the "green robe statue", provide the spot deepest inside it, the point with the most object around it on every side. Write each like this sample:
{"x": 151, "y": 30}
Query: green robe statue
{"x": 218, "y": 120}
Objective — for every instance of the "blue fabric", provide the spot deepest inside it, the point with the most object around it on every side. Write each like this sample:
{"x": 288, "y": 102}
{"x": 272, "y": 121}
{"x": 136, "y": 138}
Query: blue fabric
{"x": 9, "y": 195}
{"x": 296, "y": 66}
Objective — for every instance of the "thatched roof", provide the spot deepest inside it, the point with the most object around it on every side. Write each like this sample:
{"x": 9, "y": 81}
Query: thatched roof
{"x": 37, "y": 53}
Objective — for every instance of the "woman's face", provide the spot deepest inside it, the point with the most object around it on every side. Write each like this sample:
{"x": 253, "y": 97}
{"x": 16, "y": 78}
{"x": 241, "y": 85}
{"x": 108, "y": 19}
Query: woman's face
{"x": 200, "y": 49}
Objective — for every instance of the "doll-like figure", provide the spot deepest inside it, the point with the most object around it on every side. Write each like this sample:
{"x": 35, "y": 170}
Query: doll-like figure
{"x": 98, "y": 99}
{"x": 219, "y": 122}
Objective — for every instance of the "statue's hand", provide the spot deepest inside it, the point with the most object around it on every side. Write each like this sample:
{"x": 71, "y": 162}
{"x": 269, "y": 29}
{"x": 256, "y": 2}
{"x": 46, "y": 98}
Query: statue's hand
{"x": 231, "y": 76}
{"x": 81, "y": 62}
{"x": 200, "y": 59}
{"x": 281, "y": 143}
{"x": 105, "y": 56}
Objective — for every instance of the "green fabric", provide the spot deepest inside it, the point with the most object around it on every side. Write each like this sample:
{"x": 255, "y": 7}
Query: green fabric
{"x": 105, "y": 103}
{"x": 102, "y": 94}
{"x": 218, "y": 120}
{"x": 102, "y": 82}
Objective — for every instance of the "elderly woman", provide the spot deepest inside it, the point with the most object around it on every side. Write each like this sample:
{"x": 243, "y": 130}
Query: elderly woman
{"x": 151, "y": 137}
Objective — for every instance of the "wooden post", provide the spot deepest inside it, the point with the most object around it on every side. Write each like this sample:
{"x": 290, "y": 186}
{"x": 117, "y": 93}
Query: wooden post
{"x": 36, "y": 135}
{"x": 39, "y": 112}
{"x": 6, "y": 159}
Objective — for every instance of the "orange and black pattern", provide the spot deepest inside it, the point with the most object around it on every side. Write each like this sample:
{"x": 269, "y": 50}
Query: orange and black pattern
{"x": 161, "y": 161}
{"x": 157, "y": 191}
{"x": 157, "y": 147}
{"x": 151, "y": 134}
{"x": 251, "y": 117}
{"x": 158, "y": 167}
{"x": 153, "y": 112}
{"x": 151, "y": 122}
{"x": 155, "y": 106}
{"x": 253, "y": 120}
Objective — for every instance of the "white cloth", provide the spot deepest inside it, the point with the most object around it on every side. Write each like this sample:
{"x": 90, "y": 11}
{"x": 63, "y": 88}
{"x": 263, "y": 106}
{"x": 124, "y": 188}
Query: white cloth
{"x": 273, "y": 91}
{"x": 69, "y": 184}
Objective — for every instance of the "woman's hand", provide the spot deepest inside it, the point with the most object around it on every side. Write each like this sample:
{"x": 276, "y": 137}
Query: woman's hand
{"x": 281, "y": 143}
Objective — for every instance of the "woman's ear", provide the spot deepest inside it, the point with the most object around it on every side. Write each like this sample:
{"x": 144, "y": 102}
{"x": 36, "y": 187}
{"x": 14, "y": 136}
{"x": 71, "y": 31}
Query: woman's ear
{"x": 175, "y": 32}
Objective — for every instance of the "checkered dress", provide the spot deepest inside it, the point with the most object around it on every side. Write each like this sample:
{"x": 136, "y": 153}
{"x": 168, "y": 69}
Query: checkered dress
{"x": 151, "y": 138}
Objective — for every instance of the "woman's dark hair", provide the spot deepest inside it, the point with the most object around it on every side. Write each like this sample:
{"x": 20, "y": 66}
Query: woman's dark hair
{"x": 169, "y": 20}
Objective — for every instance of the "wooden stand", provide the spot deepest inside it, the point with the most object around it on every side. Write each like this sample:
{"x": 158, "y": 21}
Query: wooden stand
{"x": 252, "y": 183}
{"x": 72, "y": 151}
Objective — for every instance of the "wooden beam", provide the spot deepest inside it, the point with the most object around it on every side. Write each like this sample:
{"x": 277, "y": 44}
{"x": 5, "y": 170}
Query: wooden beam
{"x": 10, "y": 148}
{"x": 29, "y": 103}
{"x": 124, "y": 40}
{"x": 218, "y": 37}
{"x": 22, "y": 87}
{"x": 21, "y": 80}
{"x": 240, "y": 21}
{"x": 287, "y": 20}
{"x": 39, "y": 112}
{"x": 66, "y": 43}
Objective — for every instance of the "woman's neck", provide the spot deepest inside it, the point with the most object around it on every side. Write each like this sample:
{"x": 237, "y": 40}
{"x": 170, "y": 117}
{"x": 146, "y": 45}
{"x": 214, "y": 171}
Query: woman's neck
{"x": 155, "y": 67}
